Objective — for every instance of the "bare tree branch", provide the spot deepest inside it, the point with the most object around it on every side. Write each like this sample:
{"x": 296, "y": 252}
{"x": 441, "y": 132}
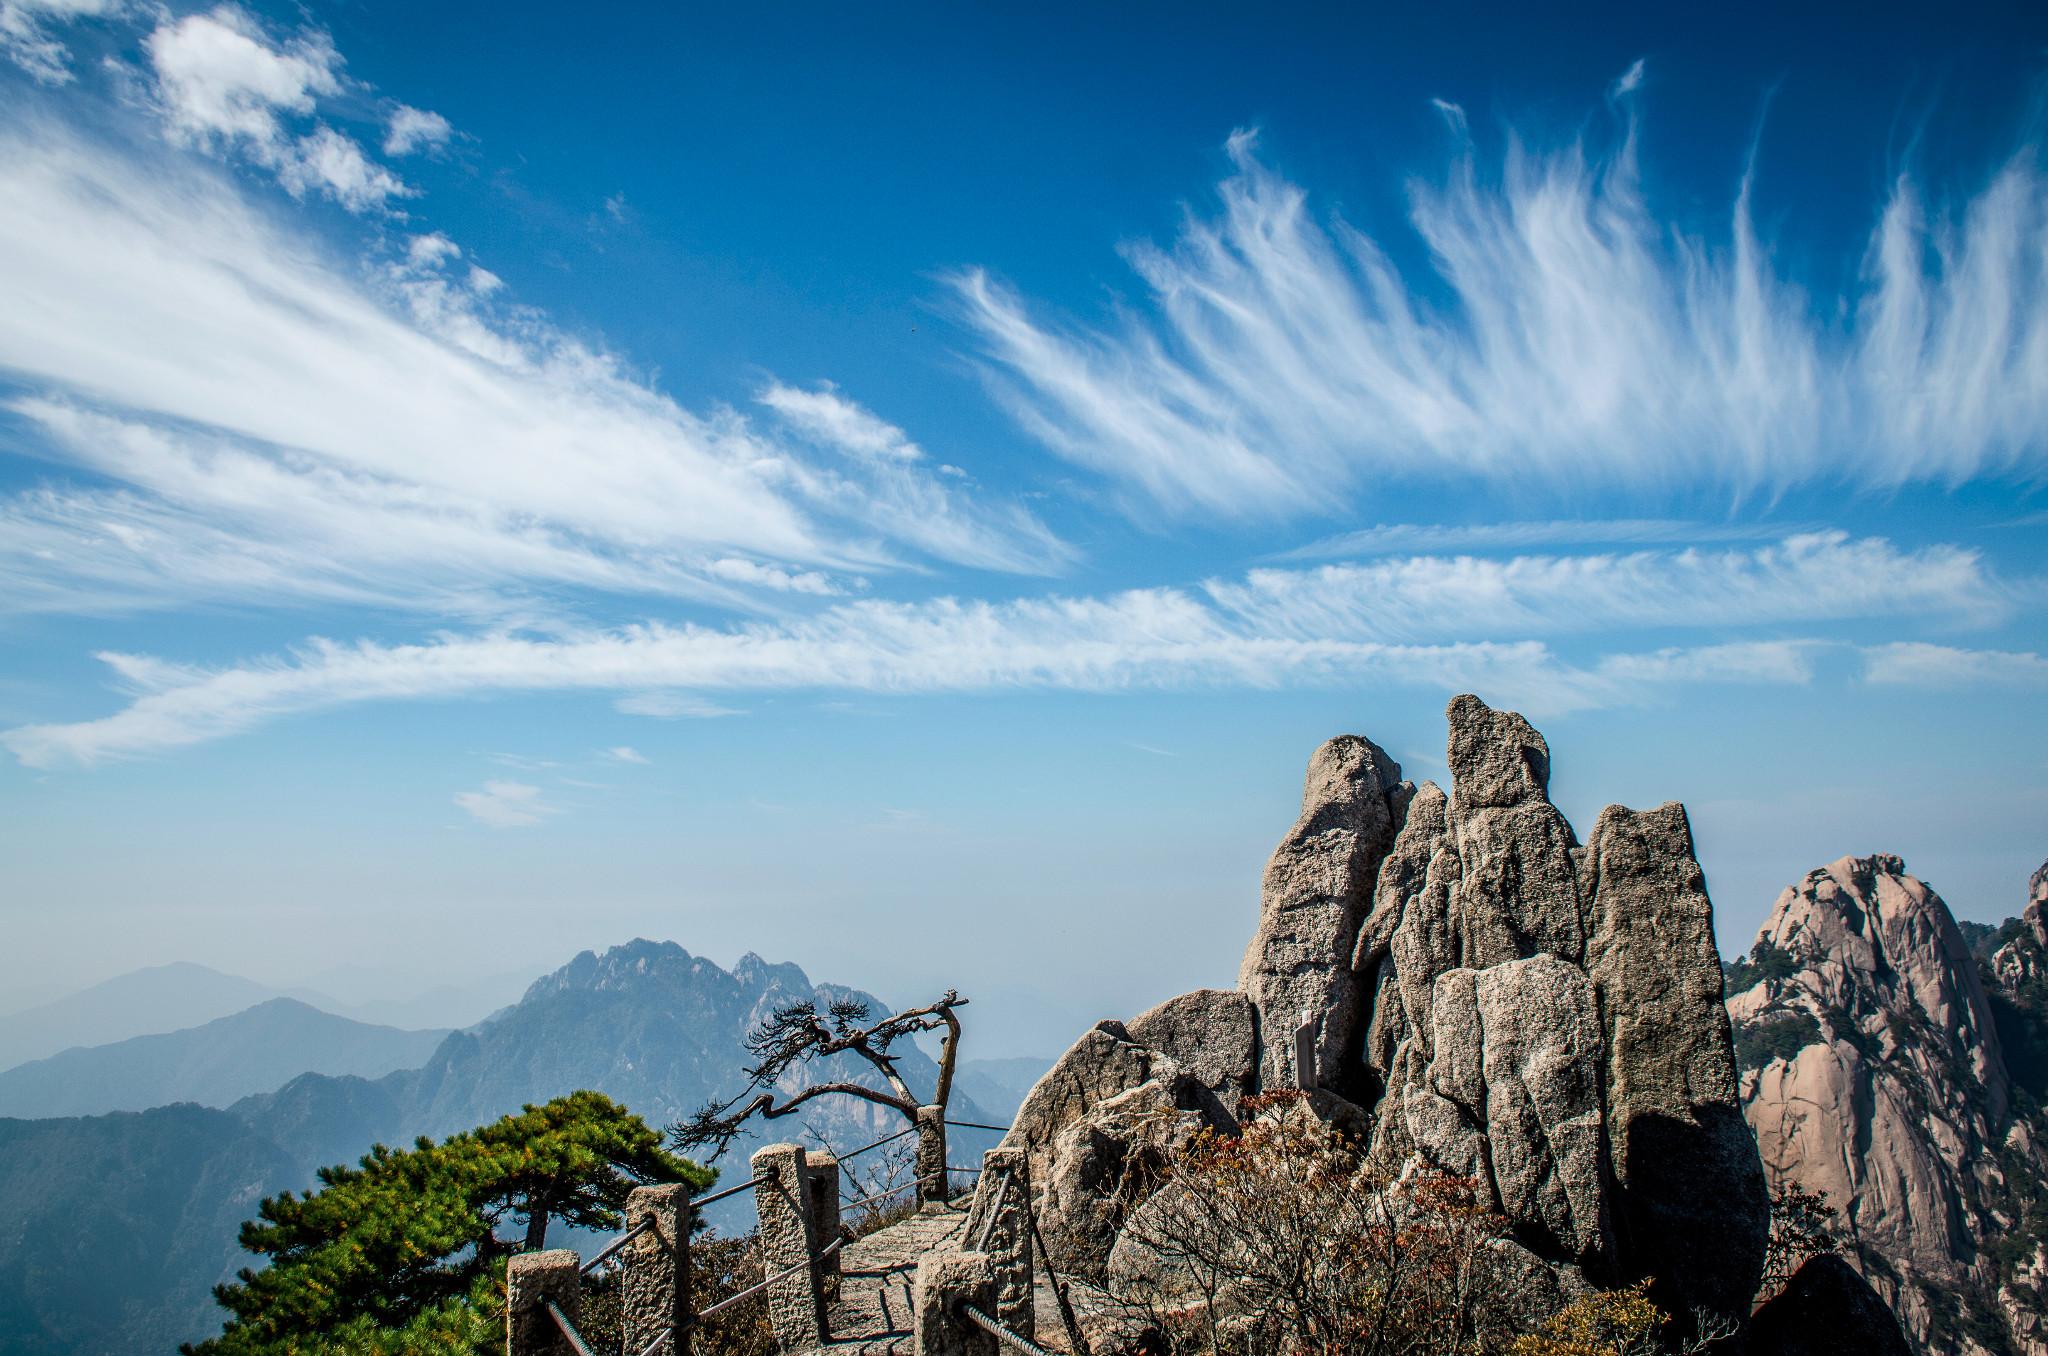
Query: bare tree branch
{"x": 795, "y": 1036}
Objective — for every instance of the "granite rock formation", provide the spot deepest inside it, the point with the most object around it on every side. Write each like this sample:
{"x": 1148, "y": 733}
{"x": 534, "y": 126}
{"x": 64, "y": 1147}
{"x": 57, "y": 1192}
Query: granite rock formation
{"x": 2025, "y": 957}
{"x": 1482, "y": 994}
{"x": 1876, "y": 1071}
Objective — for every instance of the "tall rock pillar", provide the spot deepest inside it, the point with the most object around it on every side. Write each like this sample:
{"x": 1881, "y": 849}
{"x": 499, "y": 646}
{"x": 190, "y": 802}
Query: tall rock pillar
{"x": 1317, "y": 888}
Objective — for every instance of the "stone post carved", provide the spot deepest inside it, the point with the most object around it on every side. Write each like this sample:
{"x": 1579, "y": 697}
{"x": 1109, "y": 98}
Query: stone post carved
{"x": 532, "y": 1279}
{"x": 999, "y": 1224}
{"x": 932, "y": 1184}
{"x": 943, "y": 1280}
{"x": 796, "y": 1303}
{"x": 655, "y": 1281}
{"x": 822, "y": 1174}
{"x": 1305, "y": 1053}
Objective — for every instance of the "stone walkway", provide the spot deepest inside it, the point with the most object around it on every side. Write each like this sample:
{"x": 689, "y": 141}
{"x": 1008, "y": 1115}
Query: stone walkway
{"x": 872, "y": 1314}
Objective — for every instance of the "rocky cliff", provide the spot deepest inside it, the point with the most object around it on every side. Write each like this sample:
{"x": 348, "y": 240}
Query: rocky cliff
{"x": 1880, "y": 1060}
{"x": 1469, "y": 987}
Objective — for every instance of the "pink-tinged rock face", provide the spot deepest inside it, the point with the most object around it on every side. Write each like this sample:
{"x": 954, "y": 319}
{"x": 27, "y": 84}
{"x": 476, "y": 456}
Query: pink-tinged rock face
{"x": 1875, "y": 1076}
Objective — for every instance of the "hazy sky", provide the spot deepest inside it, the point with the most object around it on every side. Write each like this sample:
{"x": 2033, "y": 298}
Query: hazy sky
{"x": 904, "y": 489}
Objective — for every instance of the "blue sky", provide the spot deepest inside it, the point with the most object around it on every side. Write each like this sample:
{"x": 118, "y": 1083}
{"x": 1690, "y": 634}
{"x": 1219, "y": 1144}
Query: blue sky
{"x": 477, "y": 484}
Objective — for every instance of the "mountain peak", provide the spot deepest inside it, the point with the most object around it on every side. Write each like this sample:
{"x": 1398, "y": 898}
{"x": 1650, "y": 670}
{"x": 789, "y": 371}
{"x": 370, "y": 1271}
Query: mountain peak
{"x": 1874, "y": 1073}
{"x": 625, "y": 966}
{"x": 755, "y": 973}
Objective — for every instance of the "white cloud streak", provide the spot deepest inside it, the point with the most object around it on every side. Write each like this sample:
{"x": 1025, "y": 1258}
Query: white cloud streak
{"x": 1918, "y": 664}
{"x": 1810, "y": 578}
{"x": 1261, "y": 633}
{"x": 506, "y": 805}
{"x": 897, "y": 492}
{"x": 1388, "y": 538}
{"x": 384, "y": 438}
{"x": 1289, "y": 364}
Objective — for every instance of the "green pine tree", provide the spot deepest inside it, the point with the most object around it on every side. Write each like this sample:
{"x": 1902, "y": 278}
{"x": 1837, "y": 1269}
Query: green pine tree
{"x": 404, "y": 1252}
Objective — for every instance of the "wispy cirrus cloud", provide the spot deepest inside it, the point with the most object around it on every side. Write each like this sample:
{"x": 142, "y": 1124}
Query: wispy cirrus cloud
{"x": 1123, "y": 643}
{"x": 262, "y": 421}
{"x": 1808, "y": 578}
{"x": 1919, "y": 664}
{"x": 1287, "y": 363}
{"x": 1311, "y": 627}
{"x": 29, "y": 39}
{"x": 901, "y": 496}
{"x": 1391, "y": 538}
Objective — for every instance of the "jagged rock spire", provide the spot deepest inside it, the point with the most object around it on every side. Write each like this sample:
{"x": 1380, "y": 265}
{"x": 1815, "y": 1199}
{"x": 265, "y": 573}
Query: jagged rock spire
{"x": 1496, "y": 999}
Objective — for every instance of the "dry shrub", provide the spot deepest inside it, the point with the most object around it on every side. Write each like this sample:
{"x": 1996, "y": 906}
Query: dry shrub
{"x": 1611, "y": 1323}
{"x": 1623, "y": 1322}
{"x": 1277, "y": 1240}
{"x": 719, "y": 1267}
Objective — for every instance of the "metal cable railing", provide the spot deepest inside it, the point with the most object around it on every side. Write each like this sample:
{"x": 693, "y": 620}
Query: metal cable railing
{"x": 1059, "y": 1289}
{"x": 752, "y": 1182}
{"x": 611, "y": 1249}
{"x": 822, "y": 1255}
{"x": 574, "y": 1338}
{"x": 648, "y": 1224}
{"x": 883, "y": 1194}
{"x": 1015, "y": 1341}
{"x": 886, "y": 1139}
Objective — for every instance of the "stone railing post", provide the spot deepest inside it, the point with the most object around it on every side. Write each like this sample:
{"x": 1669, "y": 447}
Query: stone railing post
{"x": 655, "y": 1281}
{"x": 932, "y": 1183}
{"x": 999, "y": 1224}
{"x": 532, "y": 1279}
{"x": 943, "y": 1280}
{"x": 822, "y": 1177}
{"x": 1305, "y": 1053}
{"x": 796, "y": 1303}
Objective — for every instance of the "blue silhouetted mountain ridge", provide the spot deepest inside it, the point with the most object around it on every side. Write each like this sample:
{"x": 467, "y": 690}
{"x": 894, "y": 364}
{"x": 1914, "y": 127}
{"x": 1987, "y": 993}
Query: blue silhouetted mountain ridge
{"x": 646, "y": 1023}
{"x": 214, "y": 1064}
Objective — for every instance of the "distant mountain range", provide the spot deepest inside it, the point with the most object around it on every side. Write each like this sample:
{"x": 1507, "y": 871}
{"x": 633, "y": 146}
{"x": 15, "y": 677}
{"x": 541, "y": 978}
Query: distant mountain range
{"x": 213, "y": 1064}
{"x": 161, "y": 998}
{"x": 181, "y": 995}
{"x": 159, "y": 1195}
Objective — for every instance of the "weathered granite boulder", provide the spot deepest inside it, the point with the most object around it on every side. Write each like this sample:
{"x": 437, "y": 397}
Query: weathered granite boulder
{"x": 1103, "y": 1064}
{"x": 1211, "y": 1033}
{"x": 1096, "y": 1127}
{"x": 1558, "y": 1032}
{"x": 1518, "y": 1057}
{"x": 1674, "y": 1109}
{"x": 1317, "y": 888}
{"x": 1107, "y": 1163}
{"x": 1491, "y": 999}
{"x": 1826, "y": 1310}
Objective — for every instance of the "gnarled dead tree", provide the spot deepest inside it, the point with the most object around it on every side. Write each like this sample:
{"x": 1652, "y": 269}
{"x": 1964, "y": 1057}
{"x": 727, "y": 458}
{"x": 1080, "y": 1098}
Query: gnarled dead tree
{"x": 799, "y": 1035}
